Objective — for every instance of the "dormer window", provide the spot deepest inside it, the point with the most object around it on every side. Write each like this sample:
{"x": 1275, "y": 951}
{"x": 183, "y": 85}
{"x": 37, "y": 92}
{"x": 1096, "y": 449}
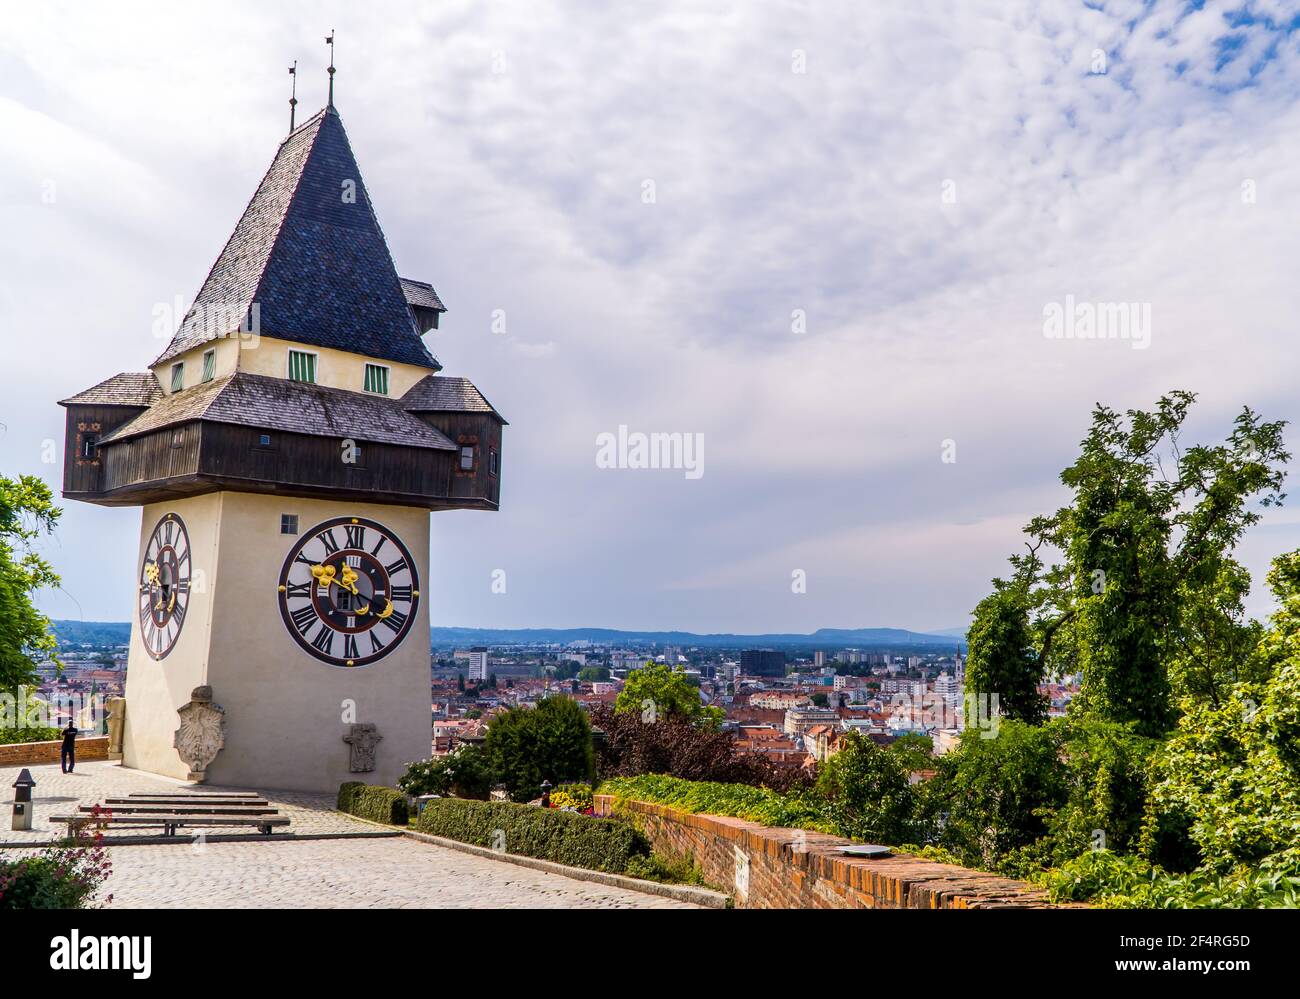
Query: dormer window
{"x": 178, "y": 376}
{"x": 376, "y": 379}
{"x": 302, "y": 366}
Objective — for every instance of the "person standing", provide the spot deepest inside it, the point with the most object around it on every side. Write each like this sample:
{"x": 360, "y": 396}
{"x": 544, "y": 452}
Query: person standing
{"x": 68, "y": 756}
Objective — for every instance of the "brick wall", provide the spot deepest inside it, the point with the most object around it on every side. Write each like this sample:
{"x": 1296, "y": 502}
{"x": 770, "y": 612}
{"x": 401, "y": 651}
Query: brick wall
{"x": 26, "y": 754}
{"x": 768, "y": 868}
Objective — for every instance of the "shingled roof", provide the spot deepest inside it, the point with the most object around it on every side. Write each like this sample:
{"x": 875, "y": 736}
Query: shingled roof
{"x": 130, "y": 388}
{"x": 292, "y": 407}
{"x": 309, "y": 254}
{"x": 444, "y": 394}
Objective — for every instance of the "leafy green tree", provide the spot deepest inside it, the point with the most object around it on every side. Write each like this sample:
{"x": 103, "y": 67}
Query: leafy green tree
{"x": 594, "y": 674}
{"x": 550, "y": 742}
{"x": 658, "y": 690}
{"x": 867, "y": 792}
{"x": 27, "y": 511}
{"x": 1232, "y": 769}
{"x": 1003, "y": 660}
{"x": 1145, "y": 600}
{"x": 913, "y": 751}
{"x": 820, "y": 699}
{"x": 998, "y": 794}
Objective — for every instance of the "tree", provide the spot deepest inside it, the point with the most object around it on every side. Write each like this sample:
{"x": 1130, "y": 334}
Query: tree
{"x": 679, "y": 747}
{"x": 913, "y": 751}
{"x": 868, "y": 793}
{"x": 594, "y": 674}
{"x": 657, "y": 691}
{"x": 550, "y": 742}
{"x": 1146, "y": 598}
{"x": 820, "y": 699}
{"x": 1002, "y": 661}
{"x": 27, "y": 511}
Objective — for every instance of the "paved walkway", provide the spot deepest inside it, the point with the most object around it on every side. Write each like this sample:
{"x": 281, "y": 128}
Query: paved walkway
{"x": 396, "y": 873}
{"x": 287, "y": 872}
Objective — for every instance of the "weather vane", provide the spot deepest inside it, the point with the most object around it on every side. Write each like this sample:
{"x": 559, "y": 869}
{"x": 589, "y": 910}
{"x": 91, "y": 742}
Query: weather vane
{"x": 329, "y": 40}
{"x": 293, "y": 97}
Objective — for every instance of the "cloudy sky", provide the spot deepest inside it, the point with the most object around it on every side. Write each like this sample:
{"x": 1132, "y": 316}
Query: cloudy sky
{"x": 917, "y": 180}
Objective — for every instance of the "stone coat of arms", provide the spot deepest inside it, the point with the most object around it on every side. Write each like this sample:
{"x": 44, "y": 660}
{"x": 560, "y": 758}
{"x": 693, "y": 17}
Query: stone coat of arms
{"x": 202, "y": 732}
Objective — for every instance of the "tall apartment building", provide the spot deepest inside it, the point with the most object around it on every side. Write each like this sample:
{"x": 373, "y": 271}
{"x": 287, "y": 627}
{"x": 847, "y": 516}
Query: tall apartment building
{"x": 762, "y": 662}
{"x": 478, "y": 663}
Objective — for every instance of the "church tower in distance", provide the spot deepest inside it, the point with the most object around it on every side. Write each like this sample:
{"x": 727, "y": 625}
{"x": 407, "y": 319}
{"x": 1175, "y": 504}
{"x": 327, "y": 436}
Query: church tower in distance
{"x": 286, "y": 449}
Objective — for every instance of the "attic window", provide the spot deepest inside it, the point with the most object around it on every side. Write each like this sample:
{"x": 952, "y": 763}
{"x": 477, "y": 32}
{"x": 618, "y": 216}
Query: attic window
{"x": 376, "y": 379}
{"x": 209, "y": 365}
{"x": 178, "y": 376}
{"x": 467, "y": 457}
{"x": 492, "y": 461}
{"x": 302, "y": 366}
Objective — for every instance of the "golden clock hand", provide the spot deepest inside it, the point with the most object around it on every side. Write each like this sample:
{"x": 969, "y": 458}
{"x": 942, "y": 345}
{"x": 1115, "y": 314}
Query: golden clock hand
{"x": 386, "y": 611}
{"x": 325, "y": 575}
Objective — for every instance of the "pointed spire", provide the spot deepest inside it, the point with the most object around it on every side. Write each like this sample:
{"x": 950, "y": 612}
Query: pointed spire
{"x": 329, "y": 40}
{"x": 307, "y": 260}
{"x": 293, "y": 97}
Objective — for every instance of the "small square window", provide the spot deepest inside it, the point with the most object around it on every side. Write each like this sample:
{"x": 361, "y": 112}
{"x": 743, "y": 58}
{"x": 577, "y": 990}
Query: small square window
{"x": 264, "y": 440}
{"x": 376, "y": 379}
{"x": 209, "y": 365}
{"x": 302, "y": 366}
{"x": 467, "y": 457}
{"x": 288, "y": 523}
{"x": 88, "y": 444}
{"x": 178, "y": 438}
{"x": 178, "y": 376}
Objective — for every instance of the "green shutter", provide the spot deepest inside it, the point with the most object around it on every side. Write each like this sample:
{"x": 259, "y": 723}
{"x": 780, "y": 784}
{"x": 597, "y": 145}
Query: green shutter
{"x": 178, "y": 377}
{"x": 376, "y": 379}
{"x": 302, "y": 366}
{"x": 209, "y": 365}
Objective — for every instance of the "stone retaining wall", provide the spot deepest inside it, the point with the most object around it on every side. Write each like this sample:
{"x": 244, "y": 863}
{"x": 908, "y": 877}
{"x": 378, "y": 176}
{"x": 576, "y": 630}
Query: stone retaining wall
{"x": 26, "y": 754}
{"x": 769, "y": 868}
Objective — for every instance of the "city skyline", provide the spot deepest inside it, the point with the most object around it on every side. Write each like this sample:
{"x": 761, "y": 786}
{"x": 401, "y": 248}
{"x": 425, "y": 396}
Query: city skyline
{"x": 916, "y": 206}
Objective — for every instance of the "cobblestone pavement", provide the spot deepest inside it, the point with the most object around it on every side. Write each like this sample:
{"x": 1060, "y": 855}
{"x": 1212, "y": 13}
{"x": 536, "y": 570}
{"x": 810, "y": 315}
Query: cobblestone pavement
{"x": 390, "y": 872}
{"x": 57, "y": 793}
{"x": 347, "y": 874}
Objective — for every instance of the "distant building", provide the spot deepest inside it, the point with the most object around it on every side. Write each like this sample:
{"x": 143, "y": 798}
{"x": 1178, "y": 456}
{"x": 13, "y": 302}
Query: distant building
{"x": 799, "y": 720}
{"x": 819, "y": 658}
{"x": 478, "y": 663}
{"x": 762, "y": 662}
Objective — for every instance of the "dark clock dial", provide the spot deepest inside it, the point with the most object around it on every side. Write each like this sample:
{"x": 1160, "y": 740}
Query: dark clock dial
{"x": 164, "y": 585}
{"x": 349, "y": 591}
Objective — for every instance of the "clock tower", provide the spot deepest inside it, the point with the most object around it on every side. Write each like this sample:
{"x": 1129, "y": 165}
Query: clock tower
{"x": 286, "y": 449}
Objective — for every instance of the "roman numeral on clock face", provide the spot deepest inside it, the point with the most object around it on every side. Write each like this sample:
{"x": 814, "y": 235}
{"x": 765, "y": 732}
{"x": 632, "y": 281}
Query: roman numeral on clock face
{"x": 356, "y": 535}
{"x": 402, "y": 593}
{"x": 395, "y": 567}
{"x": 327, "y": 539}
{"x": 303, "y": 617}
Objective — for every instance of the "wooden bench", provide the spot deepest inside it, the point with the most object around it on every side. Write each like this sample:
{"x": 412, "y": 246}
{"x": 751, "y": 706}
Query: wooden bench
{"x": 176, "y": 809}
{"x": 171, "y": 821}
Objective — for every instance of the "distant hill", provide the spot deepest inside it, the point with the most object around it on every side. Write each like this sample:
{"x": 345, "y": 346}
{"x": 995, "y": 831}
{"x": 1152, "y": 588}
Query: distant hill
{"x": 837, "y": 637}
{"x": 119, "y": 633}
{"x": 92, "y": 632}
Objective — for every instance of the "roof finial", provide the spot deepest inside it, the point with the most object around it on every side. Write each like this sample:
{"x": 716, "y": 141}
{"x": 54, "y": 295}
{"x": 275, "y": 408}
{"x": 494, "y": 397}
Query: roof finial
{"x": 293, "y": 97}
{"x": 329, "y": 40}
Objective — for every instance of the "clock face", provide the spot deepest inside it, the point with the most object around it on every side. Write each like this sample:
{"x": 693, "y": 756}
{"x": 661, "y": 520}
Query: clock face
{"x": 349, "y": 591}
{"x": 164, "y": 585}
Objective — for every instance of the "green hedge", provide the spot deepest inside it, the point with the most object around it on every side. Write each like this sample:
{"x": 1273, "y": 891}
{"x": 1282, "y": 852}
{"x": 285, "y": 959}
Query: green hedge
{"x": 35, "y": 733}
{"x": 373, "y": 802}
{"x": 545, "y": 833}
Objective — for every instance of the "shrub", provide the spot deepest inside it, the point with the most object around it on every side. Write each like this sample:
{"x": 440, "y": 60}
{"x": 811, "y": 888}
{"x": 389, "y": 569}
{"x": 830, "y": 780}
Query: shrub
{"x": 551, "y": 742}
{"x": 31, "y": 733}
{"x": 373, "y": 802}
{"x": 682, "y": 748}
{"x": 741, "y": 801}
{"x": 868, "y": 796}
{"x": 59, "y": 877}
{"x": 464, "y": 773}
{"x": 996, "y": 796}
{"x": 564, "y": 837}
{"x": 575, "y": 796}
